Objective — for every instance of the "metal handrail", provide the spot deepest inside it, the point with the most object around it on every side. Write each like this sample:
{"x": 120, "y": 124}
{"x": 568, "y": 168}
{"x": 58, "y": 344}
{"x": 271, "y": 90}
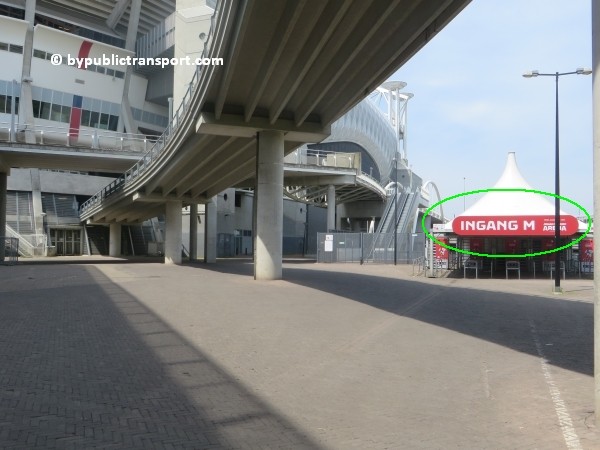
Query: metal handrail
{"x": 419, "y": 262}
{"x": 98, "y": 137}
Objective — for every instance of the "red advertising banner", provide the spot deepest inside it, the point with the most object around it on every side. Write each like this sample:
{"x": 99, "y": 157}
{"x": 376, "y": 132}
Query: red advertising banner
{"x": 441, "y": 252}
{"x": 513, "y": 225}
{"x": 586, "y": 250}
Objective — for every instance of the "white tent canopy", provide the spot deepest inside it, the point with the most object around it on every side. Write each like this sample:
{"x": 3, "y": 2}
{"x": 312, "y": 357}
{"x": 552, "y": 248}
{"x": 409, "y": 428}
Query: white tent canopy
{"x": 518, "y": 203}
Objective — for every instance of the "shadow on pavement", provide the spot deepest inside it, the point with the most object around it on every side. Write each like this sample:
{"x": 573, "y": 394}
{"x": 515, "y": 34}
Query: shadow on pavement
{"x": 564, "y": 327}
{"x": 86, "y": 365}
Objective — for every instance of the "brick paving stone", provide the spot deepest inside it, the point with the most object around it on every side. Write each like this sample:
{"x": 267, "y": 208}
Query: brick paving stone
{"x": 76, "y": 373}
{"x": 331, "y": 357}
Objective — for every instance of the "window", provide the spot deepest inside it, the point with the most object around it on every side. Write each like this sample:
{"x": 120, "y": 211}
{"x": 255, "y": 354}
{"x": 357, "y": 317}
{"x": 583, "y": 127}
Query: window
{"x": 94, "y": 119}
{"x": 103, "y": 122}
{"x": 36, "y": 108}
{"x": 65, "y": 115}
{"x": 3, "y": 104}
{"x": 39, "y": 54}
{"x": 113, "y": 122}
{"x": 45, "y": 110}
{"x": 15, "y": 48}
{"x": 6, "y": 102}
{"x": 85, "y": 118}
{"x": 3, "y": 46}
{"x": 55, "y": 113}
{"x": 119, "y": 74}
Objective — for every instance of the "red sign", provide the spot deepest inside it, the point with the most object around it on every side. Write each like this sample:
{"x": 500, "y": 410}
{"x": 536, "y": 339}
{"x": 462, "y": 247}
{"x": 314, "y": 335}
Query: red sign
{"x": 441, "y": 252}
{"x": 586, "y": 250}
{"x": 513, "y": 225}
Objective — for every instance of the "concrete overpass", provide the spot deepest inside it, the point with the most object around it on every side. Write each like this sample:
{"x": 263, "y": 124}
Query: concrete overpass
{"x": 290, "y": 69}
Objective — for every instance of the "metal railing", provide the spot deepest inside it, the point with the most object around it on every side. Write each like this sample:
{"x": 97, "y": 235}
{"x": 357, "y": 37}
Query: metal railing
{"x": 65, "y": 136}
{"x": 9, "y": 254}
{"x": 419, "y": 265}
{"x": 30, "y": 244}
{"x": 161, "y": 143}
{"x": 368, "y": 248}
{"x": 324, "y": 158}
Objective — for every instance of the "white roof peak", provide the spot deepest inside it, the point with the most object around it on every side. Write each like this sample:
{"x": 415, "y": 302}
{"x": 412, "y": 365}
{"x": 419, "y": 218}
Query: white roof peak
{"x": 511, "y": 177}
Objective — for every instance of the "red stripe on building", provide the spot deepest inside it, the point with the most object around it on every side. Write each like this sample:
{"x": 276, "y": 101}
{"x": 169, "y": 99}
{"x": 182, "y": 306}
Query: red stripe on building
{"x": 84, "y": 52}
{"x": 74, "y": 125}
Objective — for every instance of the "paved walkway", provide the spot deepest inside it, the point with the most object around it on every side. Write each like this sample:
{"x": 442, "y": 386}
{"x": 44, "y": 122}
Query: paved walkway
{"x": 142, "y": 355}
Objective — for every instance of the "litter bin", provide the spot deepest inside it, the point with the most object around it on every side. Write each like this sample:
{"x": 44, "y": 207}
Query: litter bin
{"x": 51, "y": 250}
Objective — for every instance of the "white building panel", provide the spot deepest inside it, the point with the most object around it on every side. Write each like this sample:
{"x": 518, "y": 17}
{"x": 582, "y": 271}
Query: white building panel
{"x": 12, "y": 31}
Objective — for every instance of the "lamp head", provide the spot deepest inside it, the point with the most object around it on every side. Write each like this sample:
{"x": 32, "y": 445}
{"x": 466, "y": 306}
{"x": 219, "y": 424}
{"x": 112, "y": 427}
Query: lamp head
{"x": 533, "y": 73}
{"x": 582, "y": 71}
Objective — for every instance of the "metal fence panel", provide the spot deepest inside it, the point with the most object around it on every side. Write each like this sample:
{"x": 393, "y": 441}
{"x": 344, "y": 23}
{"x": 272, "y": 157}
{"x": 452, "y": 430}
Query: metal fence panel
{"x": 10, "y": 247}
{"x": 369, "y": 247}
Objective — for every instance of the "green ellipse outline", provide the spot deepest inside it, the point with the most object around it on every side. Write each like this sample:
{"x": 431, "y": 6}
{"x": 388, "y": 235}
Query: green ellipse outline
{"x": 488, "y": 255}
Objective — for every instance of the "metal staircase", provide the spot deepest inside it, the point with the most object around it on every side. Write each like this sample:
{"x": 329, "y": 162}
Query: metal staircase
{"x": 26, "y": 248}
{"x": 135, "y": 238}
{"x": 97, "y": 239}
{"x": 388, "y": 229}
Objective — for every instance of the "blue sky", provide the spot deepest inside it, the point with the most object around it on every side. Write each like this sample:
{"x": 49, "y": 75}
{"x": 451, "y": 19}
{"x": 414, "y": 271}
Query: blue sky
{"x": 472, "y": 106}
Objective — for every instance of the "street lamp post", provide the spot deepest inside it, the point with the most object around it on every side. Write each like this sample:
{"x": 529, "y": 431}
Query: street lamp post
{"x": 396, "y": 210}
{"x": 556, "y": 75}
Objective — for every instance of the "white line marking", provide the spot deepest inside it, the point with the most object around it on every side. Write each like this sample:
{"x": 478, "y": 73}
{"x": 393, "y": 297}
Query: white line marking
{"x": 564, "y": 419}
{"x": 486, "y": 380}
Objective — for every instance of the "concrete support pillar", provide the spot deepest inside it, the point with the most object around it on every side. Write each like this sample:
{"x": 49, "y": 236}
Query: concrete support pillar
{"x": 173, "y": 240}
{"x": 596, "y": 172}
{"x": 193, "y": 231}
{"x": 114, "y": 240}
{"x": 331, "y": 207}
{"x": 126, "y": 120}
{"x": 269, "y": 206}
{"x": 36, "y": 200}
{"x": 210, "y": 231}
{"x": 25, "y": 101}
{"x": 3, "y": 185}
{"x": 132, "y": 27}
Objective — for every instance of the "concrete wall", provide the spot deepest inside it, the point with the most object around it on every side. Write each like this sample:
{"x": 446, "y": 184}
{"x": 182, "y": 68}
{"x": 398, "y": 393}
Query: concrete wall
{"x": 12, "y": 31}
{"x": 192, "y": 19}
{"x": 70, "y": 79}
{"x": 185, "y": 230}
{"x": 57, "y": 182}
{"x": 359, "y": 210}
{"x": 294, "y": 223}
